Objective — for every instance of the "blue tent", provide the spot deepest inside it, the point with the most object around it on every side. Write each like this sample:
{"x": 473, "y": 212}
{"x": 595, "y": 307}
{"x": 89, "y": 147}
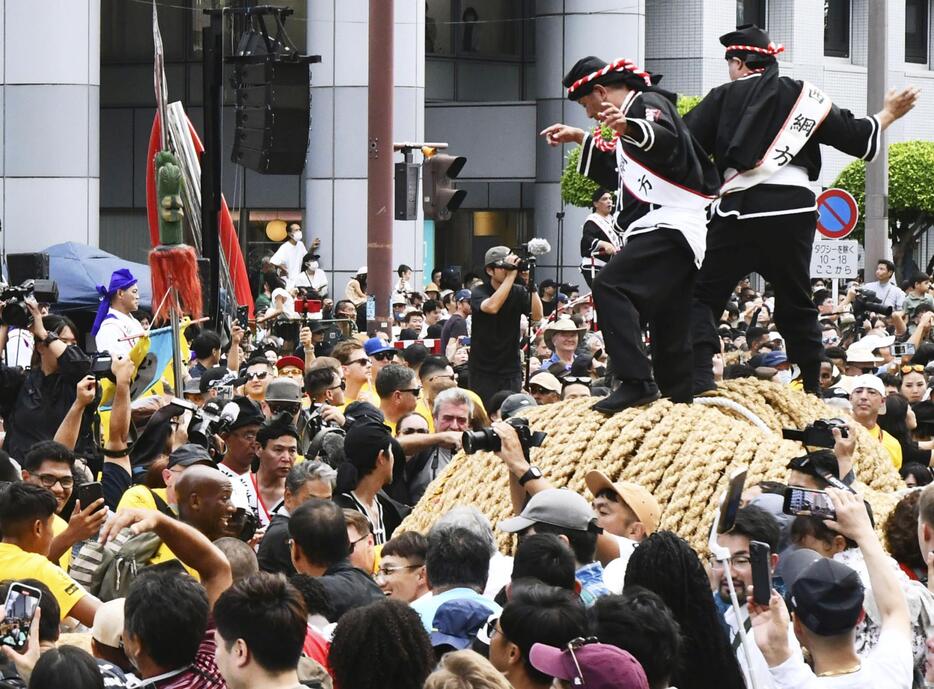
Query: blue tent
{"x": 79, "y": 269}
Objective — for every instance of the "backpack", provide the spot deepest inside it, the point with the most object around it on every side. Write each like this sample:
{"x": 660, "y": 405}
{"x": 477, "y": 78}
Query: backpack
{"x": 108, "y": 571}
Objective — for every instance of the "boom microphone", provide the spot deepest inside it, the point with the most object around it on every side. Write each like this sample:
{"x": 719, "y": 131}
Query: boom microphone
{"x": 538, "y": 246}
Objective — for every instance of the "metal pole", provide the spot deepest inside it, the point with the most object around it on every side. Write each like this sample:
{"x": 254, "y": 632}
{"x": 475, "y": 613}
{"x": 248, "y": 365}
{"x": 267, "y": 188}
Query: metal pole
{"x": 212, "y": 76}
{"x": 379, "y": 162}
{"x": 877, "y": 172}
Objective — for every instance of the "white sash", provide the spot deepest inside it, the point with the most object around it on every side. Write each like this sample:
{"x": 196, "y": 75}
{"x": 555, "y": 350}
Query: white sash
{"x": 606, "y": 226}
{"x": 650, "y": 187}
{"x": 809, "y": 112}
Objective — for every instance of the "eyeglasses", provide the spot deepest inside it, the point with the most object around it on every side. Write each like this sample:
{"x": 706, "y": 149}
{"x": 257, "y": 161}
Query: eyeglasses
{"x": 389, "y": 571}
{"x": 491, "y": 628}
{"x": 384, "y": 356}
{"x": 49, "y": 481}
{"x": 291, "y": 409}
{"x": 583, "y": 380}
{"x": 539, "y": 390}
{"x": 411, "y": 431}
{"x": 363, "y": 361}
{"x": 342, "y": 385}
{"x": 353, "y": 544}
{"x": 576, "y": 645}
{"x": 915, "y": 368}
{"x": 257, "y": 375}
{"x": 445, "y": 376}
{"x": 740, "y": 561}
{"x": 414, "y": 391}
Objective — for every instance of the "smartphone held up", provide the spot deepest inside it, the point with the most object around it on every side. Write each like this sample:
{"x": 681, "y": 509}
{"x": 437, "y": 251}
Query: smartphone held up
{"x": 19, "y": 611}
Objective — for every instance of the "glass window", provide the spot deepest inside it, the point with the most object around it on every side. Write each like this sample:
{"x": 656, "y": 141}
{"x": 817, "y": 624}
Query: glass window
{"x": 916, "y": 31}
{"x": 438, "y": 27}
{"x": 837, "y": 28}
{"x": 751, "y": 12}
{"x": 489, "y": 27}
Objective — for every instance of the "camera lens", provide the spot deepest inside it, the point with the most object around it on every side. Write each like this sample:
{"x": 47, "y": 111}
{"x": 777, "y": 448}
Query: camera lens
{"x": 484, "y": 440}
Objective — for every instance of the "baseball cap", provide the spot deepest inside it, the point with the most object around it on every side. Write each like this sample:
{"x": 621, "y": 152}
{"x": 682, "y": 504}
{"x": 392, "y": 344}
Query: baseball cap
{"x": 820, "y": 464}
{"x": 514, "y": 403}
{"x": 290, "y": 360}
{"x": 108, "y": 623}
{"x": 283, "y": 390}
{"x": 774, "y": 359}
{"x": 365, "y": 440}
{"x": 249, "y": 414}
{"x": 636, "y": 497}
{"x": 398, "y": 298}
{"x": 855, "y": 354}
{"x": 375, "y": 345}
{"x": 595, "y": 665}
{"x": 791, "y": 565}
{"x": 496, "y": 255}
{"x": 868, "y": 380}
{"x": 462, "y": 295}
{"x": 214, "y": 377}
{"x": 192, "y": 387}
{"x": 188, "y": 454}
{"x": 545, "y": 380}
{"x": 555, "y": 506}
{"x": 872, "y": 342}
{"x": 457, "y": 622}
{"x": 827, "y": 596}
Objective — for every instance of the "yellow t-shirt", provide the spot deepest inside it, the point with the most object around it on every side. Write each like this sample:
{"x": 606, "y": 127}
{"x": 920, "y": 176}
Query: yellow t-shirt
{"x": 890, "y": 444}
{"x": 58, "y": 526}
{"x": 140, "y": 497}
{"x": 16, "y": 563}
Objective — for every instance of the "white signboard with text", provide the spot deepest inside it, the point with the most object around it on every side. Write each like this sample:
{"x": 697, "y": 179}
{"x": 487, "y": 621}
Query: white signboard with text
{"x": 835, "y": 259}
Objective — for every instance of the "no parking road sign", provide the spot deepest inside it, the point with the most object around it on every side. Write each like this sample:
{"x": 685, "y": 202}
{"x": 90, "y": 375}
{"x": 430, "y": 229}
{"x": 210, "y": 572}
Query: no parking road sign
{"x": 837, "y": 212}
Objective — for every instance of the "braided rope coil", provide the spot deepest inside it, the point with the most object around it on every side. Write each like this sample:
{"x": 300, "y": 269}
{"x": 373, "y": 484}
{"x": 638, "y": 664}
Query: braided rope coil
{"x": 682, "y": 453}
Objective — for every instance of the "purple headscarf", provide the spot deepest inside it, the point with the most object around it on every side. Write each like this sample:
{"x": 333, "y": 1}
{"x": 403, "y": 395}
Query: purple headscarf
{"x": 120, "y": 279}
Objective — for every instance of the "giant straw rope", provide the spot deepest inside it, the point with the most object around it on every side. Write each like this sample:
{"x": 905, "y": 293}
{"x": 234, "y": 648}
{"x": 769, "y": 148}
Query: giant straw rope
{"x": 682, "y": 453}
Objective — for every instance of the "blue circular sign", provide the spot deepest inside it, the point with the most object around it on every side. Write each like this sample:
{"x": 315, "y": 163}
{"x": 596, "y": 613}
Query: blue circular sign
{"x": 838, "y": 213}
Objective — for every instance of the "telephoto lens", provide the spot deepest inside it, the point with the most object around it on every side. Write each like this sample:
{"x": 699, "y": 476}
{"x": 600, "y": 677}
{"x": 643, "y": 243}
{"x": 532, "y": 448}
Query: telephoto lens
{"x": 484, "y": 440}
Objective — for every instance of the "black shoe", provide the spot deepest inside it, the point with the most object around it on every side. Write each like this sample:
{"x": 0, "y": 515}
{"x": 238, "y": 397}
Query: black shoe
{"x": 701, "y": 390}
{"x": 628, "y": 394}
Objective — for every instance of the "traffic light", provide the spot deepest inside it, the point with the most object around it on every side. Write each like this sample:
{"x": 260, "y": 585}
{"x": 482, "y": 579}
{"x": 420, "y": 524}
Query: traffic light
{"x": 439, "y": 198}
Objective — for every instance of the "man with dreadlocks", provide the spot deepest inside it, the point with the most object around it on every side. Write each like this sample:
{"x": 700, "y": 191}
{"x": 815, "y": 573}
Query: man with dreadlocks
{"x": 665, "y": 181}
{"x": 764, "y": 132}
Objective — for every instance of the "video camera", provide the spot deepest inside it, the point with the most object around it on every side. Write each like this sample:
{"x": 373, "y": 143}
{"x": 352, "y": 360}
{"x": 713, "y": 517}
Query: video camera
{"x": 207, "y": 421}
{"x": 100, "y": 365}
{"x": 817, "y": 434}
{"x": 486, "y": 439}
{"x": 529, "y": 252}
{"x": 867, "y": 301}
{"x": 15, "y": 313}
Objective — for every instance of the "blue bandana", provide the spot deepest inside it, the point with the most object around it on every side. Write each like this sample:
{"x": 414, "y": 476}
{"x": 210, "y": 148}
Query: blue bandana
{"x": 121, "y": 279}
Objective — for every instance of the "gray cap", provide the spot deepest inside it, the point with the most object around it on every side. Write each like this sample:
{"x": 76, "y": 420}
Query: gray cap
{"x": 189, "y": 454}
{"x": 556, "y": 506}
{"x": 514, "y": 403}
{"x": 792, "y": 565}
{"x": 496, "y": 255}
{"x": 283, "y": 390}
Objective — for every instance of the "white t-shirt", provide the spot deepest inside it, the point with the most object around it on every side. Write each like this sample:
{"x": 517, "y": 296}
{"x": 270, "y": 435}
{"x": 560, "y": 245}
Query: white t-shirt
{"x": 760, "y": 668}
{"x": 614, "y": 574}
{"x": 887, "y": 666}
{"x": 19, "y": 347}
{"x": 114, "y": 330}
{"x": 290, "y": 256}
{"x": 319, "y": 281}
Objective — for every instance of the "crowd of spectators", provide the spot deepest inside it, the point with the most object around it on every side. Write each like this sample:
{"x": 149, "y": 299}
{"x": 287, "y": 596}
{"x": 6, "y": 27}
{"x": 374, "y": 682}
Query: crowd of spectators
{"x": 244, "y": 530}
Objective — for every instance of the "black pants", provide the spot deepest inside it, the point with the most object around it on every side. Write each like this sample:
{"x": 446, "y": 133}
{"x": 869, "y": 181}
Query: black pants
{"x": 651, "y": 278}
{"x": 488, "y": 384}
{"x": 779, "y": 249}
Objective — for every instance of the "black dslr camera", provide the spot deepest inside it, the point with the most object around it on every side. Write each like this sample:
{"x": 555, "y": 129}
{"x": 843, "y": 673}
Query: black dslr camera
{"x": 817, "y": 434}
{"x": 867, "y": 301}
{"x": 486, "y": 440}
{"x": 15, "y": 312}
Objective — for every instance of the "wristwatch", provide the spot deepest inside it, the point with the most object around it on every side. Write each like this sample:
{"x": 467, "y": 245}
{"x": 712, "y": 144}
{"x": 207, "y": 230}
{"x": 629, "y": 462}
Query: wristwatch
{"x": 531, "y": 474}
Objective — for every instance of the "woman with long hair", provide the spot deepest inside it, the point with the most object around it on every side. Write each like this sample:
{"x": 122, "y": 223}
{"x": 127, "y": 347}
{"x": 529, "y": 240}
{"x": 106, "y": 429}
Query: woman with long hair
{"x": 899, "y": 421}
{"x": 666, "y": 564}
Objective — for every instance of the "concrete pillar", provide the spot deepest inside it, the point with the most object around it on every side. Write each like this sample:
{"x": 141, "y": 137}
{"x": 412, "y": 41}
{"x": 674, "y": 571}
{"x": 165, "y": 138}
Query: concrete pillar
{"x": 49, "y": 123}
{"x": 336, "y": 169}
{"x": 563, "y": 36}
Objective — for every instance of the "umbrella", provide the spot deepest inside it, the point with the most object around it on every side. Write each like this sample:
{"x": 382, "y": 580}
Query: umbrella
{"x": 78, "y": 269}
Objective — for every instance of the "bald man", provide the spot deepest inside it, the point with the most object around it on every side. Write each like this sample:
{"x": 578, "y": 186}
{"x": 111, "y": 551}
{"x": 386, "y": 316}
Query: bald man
{"x": 204, "y": 500}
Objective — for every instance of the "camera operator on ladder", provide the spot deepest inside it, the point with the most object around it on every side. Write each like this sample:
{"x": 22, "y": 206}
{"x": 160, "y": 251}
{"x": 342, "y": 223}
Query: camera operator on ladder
{"x": 497, "y": 307}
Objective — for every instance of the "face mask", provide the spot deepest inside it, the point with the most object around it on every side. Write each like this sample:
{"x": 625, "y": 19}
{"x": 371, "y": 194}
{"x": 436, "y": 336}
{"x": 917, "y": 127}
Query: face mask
{"x": 783, "y": 377}
{"x": 312, "y": 265}
{"x": 297, "y": 235}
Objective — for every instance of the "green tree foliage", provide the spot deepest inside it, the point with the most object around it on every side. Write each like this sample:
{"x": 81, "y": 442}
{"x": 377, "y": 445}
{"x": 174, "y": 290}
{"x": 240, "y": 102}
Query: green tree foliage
{"x": 911, "y": 195}
{"x": 577, "y": 189}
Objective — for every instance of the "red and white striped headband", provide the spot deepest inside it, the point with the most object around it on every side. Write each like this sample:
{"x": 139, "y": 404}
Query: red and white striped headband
{"x": 621, "y": 65}
{"x": 773, "y": 49}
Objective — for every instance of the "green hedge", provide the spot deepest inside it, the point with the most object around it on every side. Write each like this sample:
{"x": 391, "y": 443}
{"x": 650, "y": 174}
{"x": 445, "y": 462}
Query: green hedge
{"x": 576, "y": 189}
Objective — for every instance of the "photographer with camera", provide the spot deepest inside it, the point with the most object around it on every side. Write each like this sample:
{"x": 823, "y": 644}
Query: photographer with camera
{"x": 497, "y": 306}
{"x": 34, "y": 403}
